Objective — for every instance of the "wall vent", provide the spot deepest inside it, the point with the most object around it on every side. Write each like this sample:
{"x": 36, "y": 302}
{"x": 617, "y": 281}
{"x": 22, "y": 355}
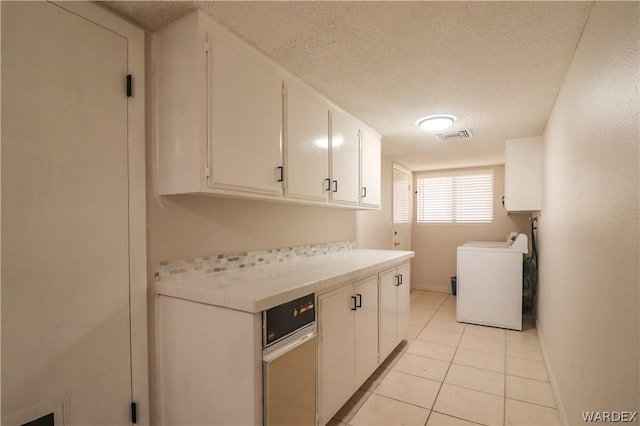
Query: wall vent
{"x": 458, "y": 134}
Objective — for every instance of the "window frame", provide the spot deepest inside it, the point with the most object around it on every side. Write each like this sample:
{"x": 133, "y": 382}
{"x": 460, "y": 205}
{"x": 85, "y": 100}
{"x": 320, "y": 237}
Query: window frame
{"x": 419, "y": 203}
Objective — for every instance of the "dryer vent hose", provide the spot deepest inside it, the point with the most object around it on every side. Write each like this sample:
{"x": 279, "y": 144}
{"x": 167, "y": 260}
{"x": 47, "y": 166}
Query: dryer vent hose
{"x": 530, "y": 273}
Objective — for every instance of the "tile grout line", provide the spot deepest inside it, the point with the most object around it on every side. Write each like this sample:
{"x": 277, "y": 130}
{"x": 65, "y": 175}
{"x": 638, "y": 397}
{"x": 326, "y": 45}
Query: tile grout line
{"x": 534, "y": 403}
{"x": 456, "y": 347}
{"x": 446, "y": 372}
{"x": 421, "y": 330}
{"x": 504, "y": 400}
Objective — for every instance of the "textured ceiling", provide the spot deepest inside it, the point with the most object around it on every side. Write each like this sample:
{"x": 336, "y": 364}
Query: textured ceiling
{"x": 497, "y": 66}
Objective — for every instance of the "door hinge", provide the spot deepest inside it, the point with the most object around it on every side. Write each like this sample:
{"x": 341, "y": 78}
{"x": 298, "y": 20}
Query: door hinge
{"x": 129, "y": 86}
{"x": 207, "y": 172}
{"x": 134, "y": 412}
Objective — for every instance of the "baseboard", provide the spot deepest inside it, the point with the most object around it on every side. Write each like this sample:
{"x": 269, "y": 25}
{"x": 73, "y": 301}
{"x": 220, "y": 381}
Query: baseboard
{"x": 552, "y": 379}
{"x": 439, "y": 289}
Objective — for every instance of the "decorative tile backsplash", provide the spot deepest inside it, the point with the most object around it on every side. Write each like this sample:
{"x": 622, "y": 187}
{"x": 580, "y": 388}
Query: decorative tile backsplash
{"x": 226, "y": 262}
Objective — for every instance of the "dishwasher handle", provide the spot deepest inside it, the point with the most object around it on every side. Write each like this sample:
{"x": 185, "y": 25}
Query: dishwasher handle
{"x": 288, "y": 347}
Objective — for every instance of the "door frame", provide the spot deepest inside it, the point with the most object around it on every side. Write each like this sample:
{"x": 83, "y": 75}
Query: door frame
{"x": 401, "y": 169}
{"x": 137, "y": 190}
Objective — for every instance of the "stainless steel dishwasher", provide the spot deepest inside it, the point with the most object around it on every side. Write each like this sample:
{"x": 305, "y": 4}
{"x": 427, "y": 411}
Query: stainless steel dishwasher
{"x": 289, "y": 363}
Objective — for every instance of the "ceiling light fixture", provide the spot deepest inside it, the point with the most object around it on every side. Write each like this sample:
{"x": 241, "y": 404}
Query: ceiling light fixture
{"x": 436, "y": 123}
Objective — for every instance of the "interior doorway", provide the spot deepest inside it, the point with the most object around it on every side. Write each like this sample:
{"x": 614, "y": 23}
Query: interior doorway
{"x": 73, "y": 217}
{"x": 402, "y": 207}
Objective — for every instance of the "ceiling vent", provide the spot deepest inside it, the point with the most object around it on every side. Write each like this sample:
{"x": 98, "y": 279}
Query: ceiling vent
{"x": 458, "y": 134}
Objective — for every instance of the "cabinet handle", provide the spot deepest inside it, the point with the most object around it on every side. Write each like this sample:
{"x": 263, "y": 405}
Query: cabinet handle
{"x": 503, "y": 201}
{"x": 400, "y": 275}
{"x": 281, "y": 171}
{"x": 328, "y": 188}
{"x": 364, "y": 191}
{"x": 335, "y": 186}
{"x": 359, "y": 305}
{"x": 397, "y": 280}
{"x": 355, "y": 306}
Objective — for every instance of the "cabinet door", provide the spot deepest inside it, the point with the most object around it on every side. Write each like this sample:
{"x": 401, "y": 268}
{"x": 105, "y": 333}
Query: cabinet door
{"x": 404, "y": 289}
{"x": 345, "y": 160}
{"x": 388, "y": 312}
{"x": 523, "y": 180}
{"x": 366, "y": 329}
{"x": 335, "y": 363}
{"x": 370, "y": 168}
{"x": 245, "y": 120}
{"x": 180, "y": 119}
{"x": 306, "y": 145}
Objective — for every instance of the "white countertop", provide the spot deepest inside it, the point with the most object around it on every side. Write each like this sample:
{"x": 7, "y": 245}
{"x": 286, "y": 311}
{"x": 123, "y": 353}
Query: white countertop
{"x": 262, "y": 287}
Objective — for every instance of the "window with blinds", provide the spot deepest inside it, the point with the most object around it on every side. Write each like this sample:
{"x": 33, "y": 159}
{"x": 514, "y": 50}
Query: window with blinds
{"x": 455, "y": 198}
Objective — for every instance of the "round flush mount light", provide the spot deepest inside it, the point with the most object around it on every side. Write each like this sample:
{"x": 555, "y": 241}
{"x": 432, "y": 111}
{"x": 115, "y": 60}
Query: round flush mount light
{"x": 436, "y": 123}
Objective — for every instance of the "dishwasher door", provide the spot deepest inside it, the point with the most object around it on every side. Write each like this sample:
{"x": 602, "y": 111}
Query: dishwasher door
{"x": 289, "y": 380}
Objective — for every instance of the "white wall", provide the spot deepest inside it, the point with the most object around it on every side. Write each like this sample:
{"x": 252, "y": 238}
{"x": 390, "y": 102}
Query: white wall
{"x": 190, "y": 226}
{"x": 436, "y": 244}
{"x": 589, "y": 229}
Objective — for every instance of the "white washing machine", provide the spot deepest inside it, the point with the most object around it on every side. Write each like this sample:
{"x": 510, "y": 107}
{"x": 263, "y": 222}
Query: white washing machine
{"x": 489, "y": 283}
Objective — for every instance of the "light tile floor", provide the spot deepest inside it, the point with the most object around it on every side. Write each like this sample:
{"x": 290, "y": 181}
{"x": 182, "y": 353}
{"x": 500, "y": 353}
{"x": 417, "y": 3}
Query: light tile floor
{"x": 449, "y": 373}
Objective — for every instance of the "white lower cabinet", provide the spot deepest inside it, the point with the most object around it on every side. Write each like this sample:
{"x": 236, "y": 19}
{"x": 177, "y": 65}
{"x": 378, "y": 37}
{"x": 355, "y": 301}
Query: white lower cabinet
{"x": 348, "y": 348}
{"x": 209, "y": 359}
{"x": 394, "y": 307}
{"x": 366, "y": 329}
{"x": 207, "y": 373}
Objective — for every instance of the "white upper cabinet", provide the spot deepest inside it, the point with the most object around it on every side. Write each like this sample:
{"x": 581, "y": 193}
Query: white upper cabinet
{"x": 306, "y": 144}
{"x": 370, "y": 168}
{"x": 179, "y": 78}
{"x": 218, "y": 112}
{"x": 245, "y": 113}
{"x": 345, "y": 167}
{"x": 523, "y": 174}
{"x": 229, "y": 121}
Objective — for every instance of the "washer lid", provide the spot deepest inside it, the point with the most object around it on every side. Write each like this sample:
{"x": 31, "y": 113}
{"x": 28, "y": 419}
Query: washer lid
{"x": 517, "y": 244}
{"x": 486, "y": 244}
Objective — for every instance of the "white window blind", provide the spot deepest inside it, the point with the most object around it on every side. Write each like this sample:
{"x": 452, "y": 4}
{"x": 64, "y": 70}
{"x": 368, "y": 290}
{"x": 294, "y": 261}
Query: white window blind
{"x": 401, "y": 197}
{"x": 456, "y": 198}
